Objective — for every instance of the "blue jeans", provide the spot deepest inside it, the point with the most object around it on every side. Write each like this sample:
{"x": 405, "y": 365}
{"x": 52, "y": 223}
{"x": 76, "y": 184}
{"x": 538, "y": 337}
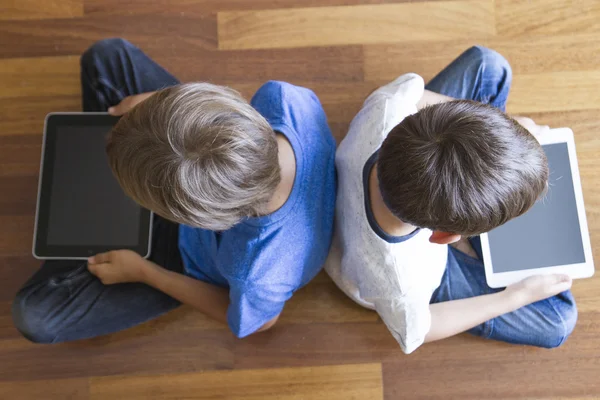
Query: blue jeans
{"x": 63, "y": 301}
{"x": 483, "y": 75}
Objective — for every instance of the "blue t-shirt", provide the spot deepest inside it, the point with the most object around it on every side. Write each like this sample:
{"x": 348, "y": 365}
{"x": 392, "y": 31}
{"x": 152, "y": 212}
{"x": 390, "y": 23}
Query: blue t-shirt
{"x": 264, "y": 260}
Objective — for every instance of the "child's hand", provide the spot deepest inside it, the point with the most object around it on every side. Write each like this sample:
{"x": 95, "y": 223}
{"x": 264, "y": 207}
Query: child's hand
{"x": 533, "y": 128}
{"x": 128, "y": 103}
{"x": 117, "y": 266}
{"x": 539, "y": 287}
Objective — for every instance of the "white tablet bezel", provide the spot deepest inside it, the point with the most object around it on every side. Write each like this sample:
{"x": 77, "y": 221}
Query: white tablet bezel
{"x": 575, "y": 271}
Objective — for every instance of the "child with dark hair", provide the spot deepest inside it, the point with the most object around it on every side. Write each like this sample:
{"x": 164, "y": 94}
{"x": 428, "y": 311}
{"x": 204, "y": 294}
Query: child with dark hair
{"x": 420, "y": 170}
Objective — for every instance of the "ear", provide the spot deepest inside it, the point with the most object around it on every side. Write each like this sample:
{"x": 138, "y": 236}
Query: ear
{"x": 443, "y": 237}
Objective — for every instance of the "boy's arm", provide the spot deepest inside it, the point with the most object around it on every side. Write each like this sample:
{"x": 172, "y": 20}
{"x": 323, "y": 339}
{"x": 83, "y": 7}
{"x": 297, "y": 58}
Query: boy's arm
{"x": 209, "y": 299}
{"x": 453, "y": 317}
{"x": 126, "y": 266}
{"x": 128, "y": 103}
{"x": 430, "y": 98}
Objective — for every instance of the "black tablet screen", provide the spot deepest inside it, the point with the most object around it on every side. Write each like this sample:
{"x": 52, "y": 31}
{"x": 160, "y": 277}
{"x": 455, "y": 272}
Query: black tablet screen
{"x": 549, "y": 233}
{"x": 87, "y": 205}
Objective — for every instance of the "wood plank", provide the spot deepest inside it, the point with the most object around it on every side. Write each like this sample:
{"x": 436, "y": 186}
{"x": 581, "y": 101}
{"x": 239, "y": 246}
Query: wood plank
{"x": 505, "y": 380}
{"x": 343, "y": 55}
{"x": 14, "y": 272}
{"x": 556, "y": 53}
{"x": 25, "y": 115}
{"x": 64, "y": 389}
{"x": 548, "y": 17}
{"x": 18, "y": 195}
{"x": 334, "y": 382}
{"x": 316, "y": 64}
{"x": 16, "y": 235}
{"x": 39, "y": 9}
{"x": 538, "y": 54}
{"x": 141, "y": 350}
{"x": 555, "y": 91}
{"x": 355, "y": 25}
{"x": 201, "y": 7}
{"x": 317, "y": 344}
{"x": 43, "y": 76}
{"x": 20, "y": 155}
{"x": 329, "y": 344}
{"x": 157, "y": 34}
{"x": 323, "y": 303}
{"x": 7, "y": 328}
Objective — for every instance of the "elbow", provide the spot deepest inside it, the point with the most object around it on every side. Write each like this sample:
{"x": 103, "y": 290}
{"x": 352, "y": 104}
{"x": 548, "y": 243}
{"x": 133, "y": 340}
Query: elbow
{"x": 268, "y": 325}
{"x": 241, "y": 333}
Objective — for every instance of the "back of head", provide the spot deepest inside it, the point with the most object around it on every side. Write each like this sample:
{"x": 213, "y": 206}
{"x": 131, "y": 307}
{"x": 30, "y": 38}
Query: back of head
{"x": 460, "y": 167}
{"x": 197, "y": 154}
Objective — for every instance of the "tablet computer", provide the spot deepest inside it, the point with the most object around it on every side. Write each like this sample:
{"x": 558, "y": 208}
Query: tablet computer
{"x": 551, "y": 237}
{"x": 81, "y": 209}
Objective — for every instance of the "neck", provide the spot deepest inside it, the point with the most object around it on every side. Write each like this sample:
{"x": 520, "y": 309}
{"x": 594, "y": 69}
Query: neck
{"x": 287, "y": 166}
{"x": 390, "y": 224}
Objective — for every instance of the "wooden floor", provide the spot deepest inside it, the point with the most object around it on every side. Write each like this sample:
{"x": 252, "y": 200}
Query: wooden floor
{"x": 324, "y": 347}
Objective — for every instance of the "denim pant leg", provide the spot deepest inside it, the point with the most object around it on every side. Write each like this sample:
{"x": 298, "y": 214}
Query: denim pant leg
{"x": 546, "y": 323}
{"x": 63, "y": 301}
{"x": 478, "y": 74}
{"x": 113, "y": 69}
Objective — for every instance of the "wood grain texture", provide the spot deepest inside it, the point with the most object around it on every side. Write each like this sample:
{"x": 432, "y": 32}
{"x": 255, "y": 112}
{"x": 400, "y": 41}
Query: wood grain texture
{"x": 24, "y": 115}
{"x": 200, "y": 7}
{"x": 547, "y": 17}
{"x": 555, "y": 92}
{"x": 537, "y": 54}
{"x": 324, "y": 346}
{"x": 15, "y": 271}
{"x": 44, "y": 76}
{"x": 318, "y": 383}
{"x": 148, "y": 349}
{"x": 158, "y": 34}
{"x": 18, "y": 195}
{"x": 488, "y": 366}
{"x": 36, "y": 9}
{"x": 64, "y": 389}
{"x": 315, "y": 64}
{"x": 16, "y": 234}
{"x": 493, "y": 376}
{"x": 304, "y": 345}
{"x": 322, "y": 302}
{"x": 20, "y": 155}
{"x": 355, "y": 25}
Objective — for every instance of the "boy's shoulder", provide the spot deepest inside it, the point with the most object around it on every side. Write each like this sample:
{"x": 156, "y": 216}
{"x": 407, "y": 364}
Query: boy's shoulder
{"x": 282, "y": 92}
{"x": 382, "y": 110}
{"x": 295, "y": 111}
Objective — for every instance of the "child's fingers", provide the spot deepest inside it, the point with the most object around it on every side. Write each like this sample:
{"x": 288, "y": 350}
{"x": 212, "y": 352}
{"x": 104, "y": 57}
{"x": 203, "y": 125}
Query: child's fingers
{"x": 100, "y": 258}
{"x": 116, "y": 110}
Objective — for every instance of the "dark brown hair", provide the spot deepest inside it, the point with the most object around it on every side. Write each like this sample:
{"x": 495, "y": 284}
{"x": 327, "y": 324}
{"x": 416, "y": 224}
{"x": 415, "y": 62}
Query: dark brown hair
{"x": 460, "y": 167}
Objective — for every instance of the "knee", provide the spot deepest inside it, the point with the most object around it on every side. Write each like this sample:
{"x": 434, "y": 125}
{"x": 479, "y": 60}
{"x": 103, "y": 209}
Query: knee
{"x": 490, "y": 60}
{"x": 562, "y": 326}
{"x": 31, "y": 320}
{"x": 102, "y": 50}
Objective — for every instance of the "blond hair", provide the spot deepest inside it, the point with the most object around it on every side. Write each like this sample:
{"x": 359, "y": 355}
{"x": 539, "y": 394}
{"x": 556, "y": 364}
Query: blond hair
{"x": 197, "y": 154}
